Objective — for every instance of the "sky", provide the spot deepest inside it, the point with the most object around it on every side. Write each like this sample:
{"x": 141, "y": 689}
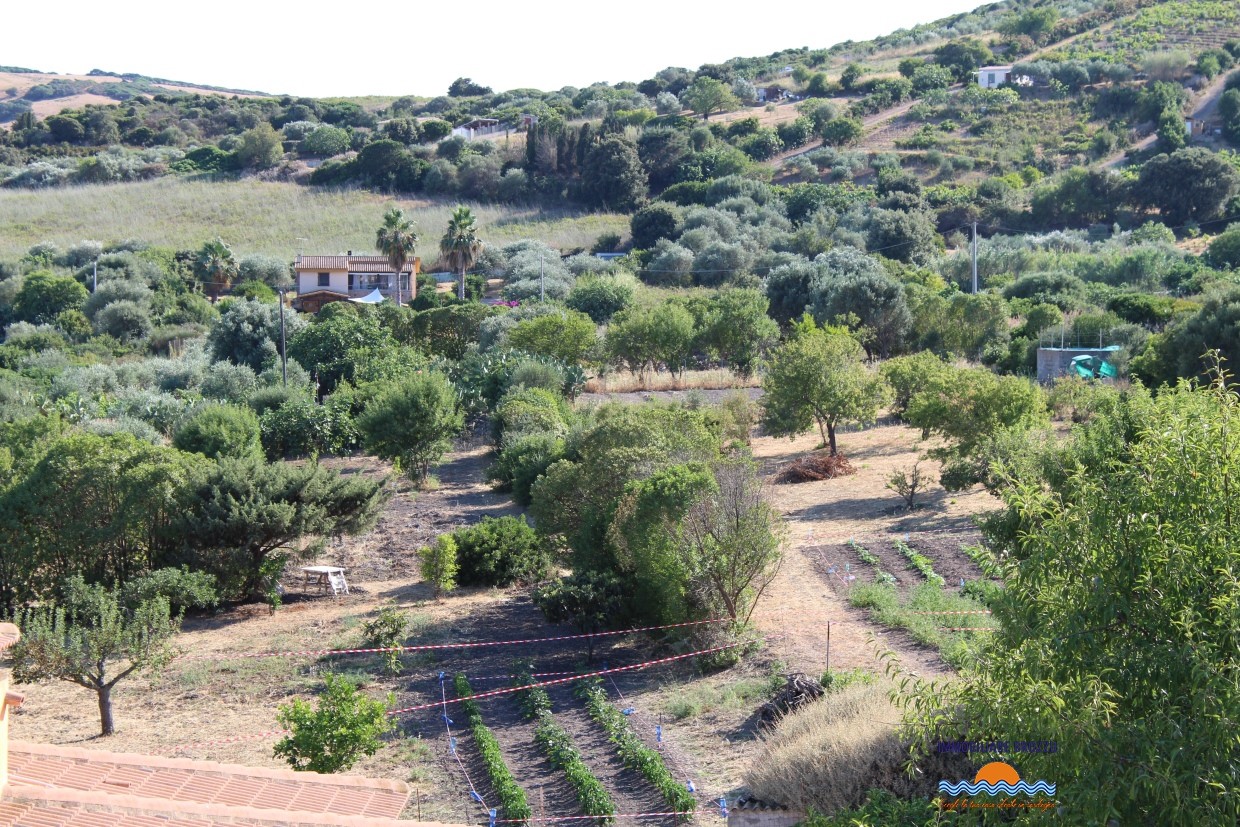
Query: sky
{"x": 378, "y": 47}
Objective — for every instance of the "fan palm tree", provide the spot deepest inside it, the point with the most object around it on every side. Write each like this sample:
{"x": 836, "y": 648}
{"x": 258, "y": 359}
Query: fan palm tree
{"x": 460, "y": 245}
{"x": 215, "y": 266}
{"x": 397, "y": 239}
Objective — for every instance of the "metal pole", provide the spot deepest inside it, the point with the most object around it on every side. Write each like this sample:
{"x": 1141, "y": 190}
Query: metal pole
{"x": 828, "y": 647}
{"x": 94, "y": 279}
{"x": 974, "y": 256}
{"x": 542, "y": 279}
{"x": 283, "y": 348}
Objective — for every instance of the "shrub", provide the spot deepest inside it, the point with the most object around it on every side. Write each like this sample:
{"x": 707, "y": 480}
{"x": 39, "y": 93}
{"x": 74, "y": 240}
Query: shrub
{"x": 387, "y": 631}
{"x": 182, "y": 588}
{"x": 601, "y": 297}
{"x": 229, "y": 382}
{"x": 412, "y": 422}
{"x": 523, "y": 460}
{"x": 217, "y": 431}
{"x": 345, "y": 727}
{"x": 438, "y": 566}
{"x": 531, "y": 410}
{"x": 500, "y": 551}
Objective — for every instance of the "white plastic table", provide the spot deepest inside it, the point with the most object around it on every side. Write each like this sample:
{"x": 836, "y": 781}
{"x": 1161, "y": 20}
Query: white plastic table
{"x": 326, "y": 577}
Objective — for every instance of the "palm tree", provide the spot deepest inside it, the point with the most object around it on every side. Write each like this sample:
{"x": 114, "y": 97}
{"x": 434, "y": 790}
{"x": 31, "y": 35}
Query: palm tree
{"x": 397, "y": 239}
{"x": 460, "y": 245}
{"x": 215, "y": 266}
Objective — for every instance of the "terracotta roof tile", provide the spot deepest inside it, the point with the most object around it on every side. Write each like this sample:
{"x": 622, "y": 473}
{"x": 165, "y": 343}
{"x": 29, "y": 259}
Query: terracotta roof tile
{"x": 8, "y": 635}
{"x": 38, "y": 770}
{"x": 365, "y": 263}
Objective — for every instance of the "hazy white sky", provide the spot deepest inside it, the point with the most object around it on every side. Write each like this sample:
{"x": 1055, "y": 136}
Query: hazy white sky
{"x": 308, "y": 47}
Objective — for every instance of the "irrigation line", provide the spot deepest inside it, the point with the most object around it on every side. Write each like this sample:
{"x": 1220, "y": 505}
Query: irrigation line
{"x": 447, "y": 724}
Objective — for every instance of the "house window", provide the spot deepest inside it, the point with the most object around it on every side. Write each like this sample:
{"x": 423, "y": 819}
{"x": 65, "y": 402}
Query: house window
{"x": 990, "y": 79}
{"x": 325, "y": 279}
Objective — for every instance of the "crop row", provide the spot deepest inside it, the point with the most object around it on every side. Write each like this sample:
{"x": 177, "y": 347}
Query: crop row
{"x": 871, "y": 560}
{"x": 635, "y": 754}
{"x": 920, "y": 562}
{"x": 557, "y": 745}
{"x": 511, "y": 797}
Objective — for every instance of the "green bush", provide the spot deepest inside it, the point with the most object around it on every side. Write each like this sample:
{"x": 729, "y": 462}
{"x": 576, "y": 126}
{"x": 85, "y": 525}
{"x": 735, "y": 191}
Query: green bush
{"x": 345, "y": 727}
{"x": 217, "y": 431}
{"x": 512, "y": 799}
{"x": 182, "y": 588}
{"x": 522, "y": 461}
{"x": 531, "y": 410}
{"x": 413, "y": 422}
{"x": 438, "y": 564}
{"x": 500, "y": 551}
{"x": 387, "y": 631}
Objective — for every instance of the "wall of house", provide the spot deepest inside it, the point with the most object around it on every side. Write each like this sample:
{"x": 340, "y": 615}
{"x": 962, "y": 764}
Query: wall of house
{"x": 308, "y": 280}
{"x": 9, "y": 632}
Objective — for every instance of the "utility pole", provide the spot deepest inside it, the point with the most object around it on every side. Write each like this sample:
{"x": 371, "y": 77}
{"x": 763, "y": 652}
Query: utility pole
{"x": 283, "y": 346}
{"x": 542, "y": 279}
{"x": 94, "y": 279}
{"x": 974, "y": 256}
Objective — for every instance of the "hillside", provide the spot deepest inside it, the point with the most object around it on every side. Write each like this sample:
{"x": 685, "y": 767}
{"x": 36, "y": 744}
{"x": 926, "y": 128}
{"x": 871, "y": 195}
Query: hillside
{"x": 48, "y": 94}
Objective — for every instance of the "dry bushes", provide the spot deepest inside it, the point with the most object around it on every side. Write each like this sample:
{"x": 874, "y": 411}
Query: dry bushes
{"x": 829, "y": 754}
{"x": 817, "y": 466}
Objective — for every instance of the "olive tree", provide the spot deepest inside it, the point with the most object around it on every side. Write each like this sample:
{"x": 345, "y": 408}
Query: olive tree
{"x": 92, "y": 640}
{"x": 819, "y": 376}
{"x": 412, "y": 422}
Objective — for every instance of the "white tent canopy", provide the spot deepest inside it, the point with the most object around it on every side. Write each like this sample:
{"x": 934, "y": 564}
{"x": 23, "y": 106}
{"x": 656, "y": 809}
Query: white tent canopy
{"x": 373, "y": 297}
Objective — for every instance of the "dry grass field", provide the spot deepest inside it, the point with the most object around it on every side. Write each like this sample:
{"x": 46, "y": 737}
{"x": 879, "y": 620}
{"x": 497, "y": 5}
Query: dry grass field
{"x": 254, "y": 216}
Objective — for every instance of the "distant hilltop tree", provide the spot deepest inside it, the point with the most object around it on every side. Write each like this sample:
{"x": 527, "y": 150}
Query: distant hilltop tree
{"x": 466, "y": 88}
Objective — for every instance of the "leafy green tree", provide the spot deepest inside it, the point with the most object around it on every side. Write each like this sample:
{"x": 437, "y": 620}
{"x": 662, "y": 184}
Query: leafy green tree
{"x": 218, "y": 431}
{"x": 500, "y": 551}
{"x": 460, "y": 245}
{"x": 968, "y": 407}
{"x": 215, "y": 266}
{"x": 127, "y": 321}
{"x": 568, "y": 336}
{"x": 591, "y": 601}
{"x": 841, "y": 131}
{"x": 344, "y": 728}
{"x": 653, "y": 222}
{"x": 1080, "y": 197}
{"x": 707, "y": 96}
{"x": 963, "y": 57}
{"x": 1224, "y": 250}
{"x": 246, "y": 518}
{"x": 612, "y": 176}
{"x": 260, "y": 147}
{"x": 437, "y": 564}
{"x": 1161, "y": 184}
{"x": 412, "y": 422}
{"x": 324, "y": 142}
{"x": 124, "y": 496}
{"x": 737, "y": 328}
{"x": 874, "y": 300}
{"x": 248, "y": 333}
{"x": 43, "y": 296}
{"x": 387, "y": 631}
{"x": 819, "y": 376}
{"x": 643, "y": 338}
{"x": 1229, "y": 113}
{"x": 1172, "y": 134}
{"x": 334, "y": 345}
{"x": 91, "y": 640}
{"x": 397, "y": 239}
{"x": 1116, "y": 629}
{"x": 1180, "y": 351}
{"x": 601, "y": 297}
{"x": 466, "y": 88}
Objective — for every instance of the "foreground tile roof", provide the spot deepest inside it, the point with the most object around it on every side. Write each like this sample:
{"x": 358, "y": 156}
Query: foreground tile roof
{"x": 72, "y": 787}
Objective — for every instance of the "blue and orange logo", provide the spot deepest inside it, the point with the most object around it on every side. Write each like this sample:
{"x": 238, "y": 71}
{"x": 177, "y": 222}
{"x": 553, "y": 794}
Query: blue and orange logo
{"x": 997, "y": 778}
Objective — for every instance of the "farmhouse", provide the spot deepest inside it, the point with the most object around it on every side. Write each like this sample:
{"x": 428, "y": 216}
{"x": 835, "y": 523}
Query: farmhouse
{"x": 477, "y": 128}
{"x": 991, "y": 77}
{"x": 325, "y": 279}
{"x": 771, "y": 94}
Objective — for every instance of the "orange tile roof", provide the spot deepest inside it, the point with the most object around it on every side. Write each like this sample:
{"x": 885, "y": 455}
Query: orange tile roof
{"x": 377, "y": 263}
{"x": 56, "y": 785}
{"x": 8, "y": 635}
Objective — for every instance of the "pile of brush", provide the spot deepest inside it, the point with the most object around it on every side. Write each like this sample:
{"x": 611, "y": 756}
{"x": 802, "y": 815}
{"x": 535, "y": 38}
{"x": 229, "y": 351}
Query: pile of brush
{"x": 799, "y": 690}
{"x": 819, "y": 465}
